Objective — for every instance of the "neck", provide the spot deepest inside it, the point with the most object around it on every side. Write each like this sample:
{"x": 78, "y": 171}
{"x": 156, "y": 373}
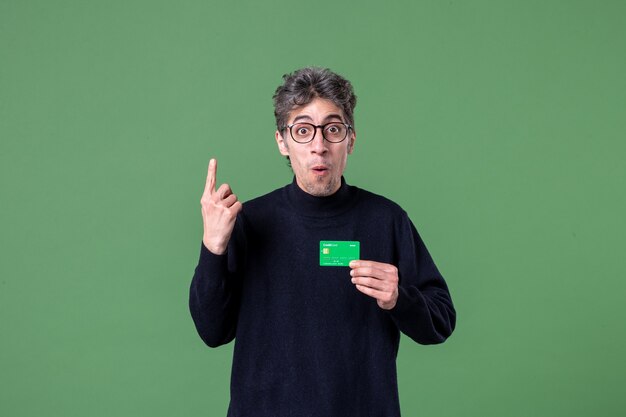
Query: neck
{"x": 325, "y": 206}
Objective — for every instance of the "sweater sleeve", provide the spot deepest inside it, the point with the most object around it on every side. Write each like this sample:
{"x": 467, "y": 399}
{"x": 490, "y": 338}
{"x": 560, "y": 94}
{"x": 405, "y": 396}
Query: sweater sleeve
{"x": 424, "y": 310}
{"x": 215, "y": 291}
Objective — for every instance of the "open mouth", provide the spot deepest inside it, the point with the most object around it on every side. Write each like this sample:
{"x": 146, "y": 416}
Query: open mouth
{"x": 319, "y": 169}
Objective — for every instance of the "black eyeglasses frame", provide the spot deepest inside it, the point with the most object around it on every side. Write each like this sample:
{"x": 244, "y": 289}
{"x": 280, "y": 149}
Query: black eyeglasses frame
{"x": 322, "y": 127}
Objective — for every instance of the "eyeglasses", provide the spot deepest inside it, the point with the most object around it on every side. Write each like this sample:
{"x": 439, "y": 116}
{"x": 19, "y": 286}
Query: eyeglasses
{"x": 334, "y": 132}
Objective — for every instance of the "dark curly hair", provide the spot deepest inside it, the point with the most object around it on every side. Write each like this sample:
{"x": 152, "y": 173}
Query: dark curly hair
{"x": 304, "y": 85}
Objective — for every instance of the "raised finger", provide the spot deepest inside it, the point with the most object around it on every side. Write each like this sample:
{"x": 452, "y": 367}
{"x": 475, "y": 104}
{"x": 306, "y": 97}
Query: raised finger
{"x": 209, "y": 187}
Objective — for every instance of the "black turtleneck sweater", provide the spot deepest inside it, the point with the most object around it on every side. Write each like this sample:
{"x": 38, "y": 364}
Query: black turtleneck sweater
{"x": 308, "y": 343}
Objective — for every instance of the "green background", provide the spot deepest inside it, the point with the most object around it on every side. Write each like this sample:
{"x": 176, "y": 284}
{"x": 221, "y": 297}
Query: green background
{"x": 498, "y": 125}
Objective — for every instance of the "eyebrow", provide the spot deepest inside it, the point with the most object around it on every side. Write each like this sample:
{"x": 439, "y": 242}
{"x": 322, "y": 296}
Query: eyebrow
{"x": 327, "y": 118}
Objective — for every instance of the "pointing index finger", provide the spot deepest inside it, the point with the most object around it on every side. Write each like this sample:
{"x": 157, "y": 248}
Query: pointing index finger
{"x": 210, "y": 178}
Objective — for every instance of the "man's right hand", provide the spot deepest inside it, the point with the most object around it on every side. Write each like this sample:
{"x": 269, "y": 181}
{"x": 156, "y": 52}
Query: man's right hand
{"x": 219, "y": 212}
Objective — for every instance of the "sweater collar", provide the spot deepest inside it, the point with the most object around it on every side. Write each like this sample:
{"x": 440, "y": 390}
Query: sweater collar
{"x": 312, "y": 206}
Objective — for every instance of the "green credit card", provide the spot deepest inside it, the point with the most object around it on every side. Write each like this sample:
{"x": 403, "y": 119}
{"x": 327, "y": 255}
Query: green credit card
{"x": 338, "y": 252}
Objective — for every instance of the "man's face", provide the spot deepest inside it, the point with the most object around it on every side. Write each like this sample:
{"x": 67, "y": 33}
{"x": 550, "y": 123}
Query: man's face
{"x": 319, "y": 164}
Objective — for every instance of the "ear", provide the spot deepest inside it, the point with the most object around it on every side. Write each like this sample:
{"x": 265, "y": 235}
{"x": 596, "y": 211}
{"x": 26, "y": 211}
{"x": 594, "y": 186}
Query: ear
{"x": 282, "y": 145}
{"x": 351, "y": 139}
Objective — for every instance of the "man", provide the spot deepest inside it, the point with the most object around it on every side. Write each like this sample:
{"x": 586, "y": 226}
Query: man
{"x": 315, "y": 336}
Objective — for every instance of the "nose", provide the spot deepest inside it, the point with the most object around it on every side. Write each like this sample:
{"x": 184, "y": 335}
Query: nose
{"x": 319, "y": 144}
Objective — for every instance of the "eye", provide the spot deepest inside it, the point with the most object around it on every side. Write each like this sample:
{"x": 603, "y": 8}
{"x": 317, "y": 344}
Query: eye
{"x": 302, "y": 130}
{"x": 335, "y": 129}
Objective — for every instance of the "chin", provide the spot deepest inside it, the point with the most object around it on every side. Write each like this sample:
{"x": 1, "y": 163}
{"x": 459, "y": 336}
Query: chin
{"x": 321, "y": 189}
{"x": 320, "y": 193}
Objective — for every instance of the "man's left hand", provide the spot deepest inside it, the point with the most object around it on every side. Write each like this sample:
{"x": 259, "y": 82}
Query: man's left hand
{"x": 378, "y": 280}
